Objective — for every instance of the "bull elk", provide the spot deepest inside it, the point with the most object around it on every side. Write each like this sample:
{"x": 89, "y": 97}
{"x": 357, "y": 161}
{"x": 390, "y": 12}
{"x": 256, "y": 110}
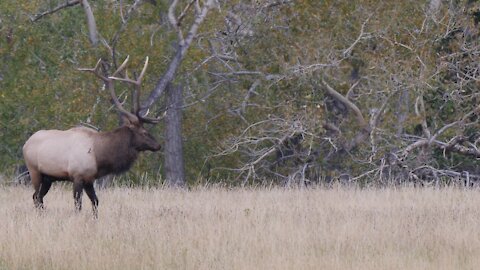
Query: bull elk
{"x": 81, "y": 154}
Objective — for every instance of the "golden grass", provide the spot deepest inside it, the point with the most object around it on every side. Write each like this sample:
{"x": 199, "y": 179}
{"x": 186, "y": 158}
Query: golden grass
{"x": 243, "y": 229}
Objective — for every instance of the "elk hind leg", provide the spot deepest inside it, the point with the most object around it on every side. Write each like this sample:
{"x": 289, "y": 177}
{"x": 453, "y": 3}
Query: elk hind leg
{"x": 77, "y": 194}
{"x": 36, "y": 178}
{"x": 90, "y": 190}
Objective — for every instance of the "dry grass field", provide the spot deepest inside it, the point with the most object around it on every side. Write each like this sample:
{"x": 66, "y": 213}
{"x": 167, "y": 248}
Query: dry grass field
{"x": 215, "y": 228}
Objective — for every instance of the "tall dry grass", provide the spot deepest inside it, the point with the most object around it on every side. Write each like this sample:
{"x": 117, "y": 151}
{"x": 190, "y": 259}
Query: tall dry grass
{"x": 243, "y": 229}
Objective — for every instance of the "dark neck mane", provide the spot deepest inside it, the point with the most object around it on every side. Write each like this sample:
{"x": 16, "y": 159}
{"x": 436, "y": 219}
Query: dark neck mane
{"x": 114, "y": 151}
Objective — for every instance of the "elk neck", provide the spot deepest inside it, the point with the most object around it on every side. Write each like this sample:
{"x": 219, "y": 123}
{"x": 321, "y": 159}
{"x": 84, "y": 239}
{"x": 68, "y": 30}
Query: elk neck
{"x": 114, "y": 151}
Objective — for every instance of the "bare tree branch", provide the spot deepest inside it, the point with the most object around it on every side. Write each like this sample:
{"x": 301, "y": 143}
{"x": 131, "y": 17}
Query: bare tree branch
{"x": 277, "y": 3}
{"x": 442, "y": 130}
{"x": 172, "y": 18}
{"x": 184, "y": 12}
{"x": 358, "y": 114}
{"x": 250, "y": 92}
{"x": 473, "y": 152}
{"x": 415, "y": 145}
{"x": 331, "y": 127}
{"x": 347, "y": 52}
{"x": 123, "y": 26}
{"x": 374, "y": 121}
{"x": 453, "y": 146}
{"x": 92, "y": 27}
{"x": 379, "y": 112}
{"x": 420, "y": 112}
{"x": 68, "y": 3}
{"x": 180, "y": 54}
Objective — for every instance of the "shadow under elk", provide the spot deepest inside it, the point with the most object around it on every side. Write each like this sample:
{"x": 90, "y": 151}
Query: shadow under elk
{"x": 81, "y": 154}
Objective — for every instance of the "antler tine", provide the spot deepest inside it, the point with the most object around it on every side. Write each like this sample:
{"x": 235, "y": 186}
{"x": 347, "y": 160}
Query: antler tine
{"x": 122, "y": 66}
{"x": 143, "y": 70}
{"x": 137, "y": 81}
{"x": 138, "y": 84}
{"x": 91, "y": 69}
{"x": 151, "y": 120}
{"x": 144, "y": 118}
{"x": 135, "y": 94}
{"x": 95, "y": 71}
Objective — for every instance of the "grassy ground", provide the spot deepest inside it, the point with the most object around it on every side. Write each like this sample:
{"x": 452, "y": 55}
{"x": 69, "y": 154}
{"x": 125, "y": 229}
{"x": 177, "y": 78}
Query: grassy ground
{"x": 243, "y": 229}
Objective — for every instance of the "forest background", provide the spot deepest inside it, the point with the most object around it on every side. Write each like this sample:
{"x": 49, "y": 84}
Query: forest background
{"x": 279, "y": 91}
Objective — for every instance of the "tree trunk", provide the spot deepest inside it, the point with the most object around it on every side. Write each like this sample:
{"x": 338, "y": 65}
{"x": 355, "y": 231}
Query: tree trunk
{"x": 92, "y": 26}
{"x": 174, "y": 165}
{"x": 402, "y": 110}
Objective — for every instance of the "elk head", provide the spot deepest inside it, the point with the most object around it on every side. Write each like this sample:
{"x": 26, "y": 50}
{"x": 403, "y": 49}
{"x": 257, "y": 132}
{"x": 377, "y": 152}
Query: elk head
{"x": 141, "y": 139}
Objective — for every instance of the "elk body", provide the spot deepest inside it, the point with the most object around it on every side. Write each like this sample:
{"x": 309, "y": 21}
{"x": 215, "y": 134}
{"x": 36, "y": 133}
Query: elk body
{"x": 81, "y": 154}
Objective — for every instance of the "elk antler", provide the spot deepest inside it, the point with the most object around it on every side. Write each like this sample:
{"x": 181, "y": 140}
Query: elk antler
{"x": 137, "y": 82}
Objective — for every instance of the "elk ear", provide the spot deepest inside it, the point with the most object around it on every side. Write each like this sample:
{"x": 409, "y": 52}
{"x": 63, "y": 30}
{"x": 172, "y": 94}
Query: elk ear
{"x": 129, "y": 120}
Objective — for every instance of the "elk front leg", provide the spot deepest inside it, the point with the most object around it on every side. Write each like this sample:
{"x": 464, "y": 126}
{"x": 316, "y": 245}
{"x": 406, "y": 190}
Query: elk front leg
{"x": 77, "y": 194}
